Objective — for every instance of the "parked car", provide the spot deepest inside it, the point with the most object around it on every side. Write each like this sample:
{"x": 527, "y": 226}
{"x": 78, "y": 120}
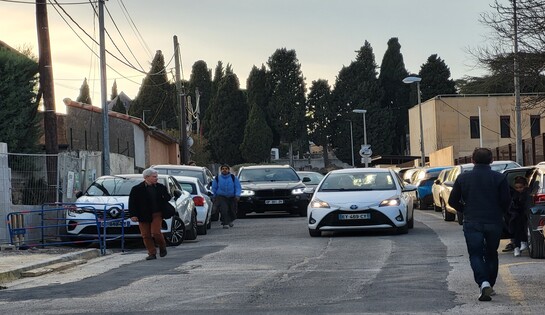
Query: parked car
{"x": 449, "y": 213}
{"x": 361, "y": 199}
{"x": 108, "y": 197}
{"x": 271, "y": 188}
{"x": 536, "y": 213}
{"x": 408, "y": 174}
{"x": 201, "y": 199}
{"x": 311, "y": 185}
{"x": 437, "y": 187}
{"x": 423, "y": 180}
{"x": 200, "y": 172}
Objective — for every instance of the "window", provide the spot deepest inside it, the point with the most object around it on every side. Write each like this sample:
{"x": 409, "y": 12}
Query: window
{"x": 474, "y": 127}
{"x": 535, "y": 125}
{"x": 505, "y": 126}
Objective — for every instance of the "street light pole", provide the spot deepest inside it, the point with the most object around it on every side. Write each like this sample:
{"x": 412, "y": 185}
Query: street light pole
{"x": 352, "y": 142}
{"x": 363, "y": 111}
{"x": 409, "y": 80}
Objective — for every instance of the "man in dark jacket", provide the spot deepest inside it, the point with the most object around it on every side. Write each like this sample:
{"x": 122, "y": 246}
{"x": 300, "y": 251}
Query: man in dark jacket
{"x": 482, "y": 195}
{"x": 146, "y": 201}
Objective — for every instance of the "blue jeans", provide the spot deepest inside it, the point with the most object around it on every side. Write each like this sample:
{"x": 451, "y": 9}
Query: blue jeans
{"x": 482, "y": 242}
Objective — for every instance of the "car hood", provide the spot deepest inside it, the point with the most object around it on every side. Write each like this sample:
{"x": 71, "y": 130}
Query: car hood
{"x": 104, "y": 200}
{"x": 361, "y": 199}
{"x": 271, "y": 185}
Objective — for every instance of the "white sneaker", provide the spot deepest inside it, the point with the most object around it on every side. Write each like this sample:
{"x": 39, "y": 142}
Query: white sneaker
{"x": 517, "y": 251}
{"x": 523, "y": 246}
{"x": 486, "y": 291}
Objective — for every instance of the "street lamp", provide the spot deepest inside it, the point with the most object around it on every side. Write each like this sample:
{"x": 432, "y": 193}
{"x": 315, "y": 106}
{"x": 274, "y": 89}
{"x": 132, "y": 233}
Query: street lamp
{"x": 410, "y": 80}
{"x": 363, "y": 111}
{"x": 351, "y": 141}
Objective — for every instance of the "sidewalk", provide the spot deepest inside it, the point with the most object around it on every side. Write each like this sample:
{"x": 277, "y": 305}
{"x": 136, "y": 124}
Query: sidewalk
{"x": 15, "y": 263}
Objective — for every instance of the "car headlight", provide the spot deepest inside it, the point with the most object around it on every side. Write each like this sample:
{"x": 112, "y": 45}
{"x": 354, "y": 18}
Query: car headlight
{"x": 317, "y": 203}
{"x": 297, "y": 191}
{"x": 390, "y": 202}
{"x": 247, "y": 193}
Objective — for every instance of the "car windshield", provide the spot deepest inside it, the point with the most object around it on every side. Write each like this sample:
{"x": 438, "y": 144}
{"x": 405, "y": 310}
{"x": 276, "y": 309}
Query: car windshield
{"x": 114, "y": 186}
{"x": 358, "y": 182}
{"x": 315, "y": 178}
{"x": 189, "y": 187}
{"x": 268, "y": 175}
{"x": 183, "y": 172}
{"x": 503, "y": 166}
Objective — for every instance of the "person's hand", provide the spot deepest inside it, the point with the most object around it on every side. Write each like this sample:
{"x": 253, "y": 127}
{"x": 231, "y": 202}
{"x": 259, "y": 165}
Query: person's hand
{"x": 134, "y": 219}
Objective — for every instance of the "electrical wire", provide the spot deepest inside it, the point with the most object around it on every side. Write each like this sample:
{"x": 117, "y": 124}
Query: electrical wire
{"x": 34, "y": 3}
{"x": 133, "y": 27}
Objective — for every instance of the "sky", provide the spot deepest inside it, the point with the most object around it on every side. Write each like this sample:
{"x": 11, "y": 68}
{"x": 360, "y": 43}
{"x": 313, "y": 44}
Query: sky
{"x": 324, "y": 34}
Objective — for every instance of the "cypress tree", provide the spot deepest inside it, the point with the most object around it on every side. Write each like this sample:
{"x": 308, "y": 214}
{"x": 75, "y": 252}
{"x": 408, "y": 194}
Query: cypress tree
{"x": 19, "y": 121}
{"x": 396, "y": 93}
{"x": 436, "y": 79}
{"x": 320, "y": 113}
{"x": 230, "y": 111}
{"x": 118, "y": 106}
{"x": 218, "y": 76}
{"x": 201, "y": 80}
{"x": 84, "y": 96}
{"x": 256, "y": 146}
{"x": 259, "y": 93}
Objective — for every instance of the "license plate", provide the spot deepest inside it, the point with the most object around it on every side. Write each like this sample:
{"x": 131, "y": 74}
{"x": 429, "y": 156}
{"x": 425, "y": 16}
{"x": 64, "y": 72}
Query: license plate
{"x": 274, "y": 202}
{"x": 115, "y": 223}
{"x": 355, "y": 216}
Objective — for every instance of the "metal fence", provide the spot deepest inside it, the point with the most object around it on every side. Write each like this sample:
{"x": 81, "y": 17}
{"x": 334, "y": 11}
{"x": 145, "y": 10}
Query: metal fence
{"x": 532, "y": 152}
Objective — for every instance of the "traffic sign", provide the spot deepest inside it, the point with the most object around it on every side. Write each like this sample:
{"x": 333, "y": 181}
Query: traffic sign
{"x": 365, "y": 150}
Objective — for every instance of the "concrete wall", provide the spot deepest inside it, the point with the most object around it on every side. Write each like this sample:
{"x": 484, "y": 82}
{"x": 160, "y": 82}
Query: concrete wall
{"x": 5, "y": 192}
{"x": 443, "y": 157}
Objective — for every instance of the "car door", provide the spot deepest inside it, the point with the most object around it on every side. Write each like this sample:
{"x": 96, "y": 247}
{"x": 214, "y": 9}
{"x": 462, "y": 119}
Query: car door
{"x": 182, "y": 203}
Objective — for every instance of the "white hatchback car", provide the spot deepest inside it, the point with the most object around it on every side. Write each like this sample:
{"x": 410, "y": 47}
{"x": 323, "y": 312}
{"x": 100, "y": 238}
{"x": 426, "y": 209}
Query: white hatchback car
{"x": 201, "y": 198}
{"x": 361, "y": 199}
{"x": 108, "y": 196}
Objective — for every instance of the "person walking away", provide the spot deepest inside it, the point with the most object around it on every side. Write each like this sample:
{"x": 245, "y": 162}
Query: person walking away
{"x": 146, "y": 201}
{"x": 226, "y": 190}
{"x": 482, "y": 196}
{"x": 518, "y": 219}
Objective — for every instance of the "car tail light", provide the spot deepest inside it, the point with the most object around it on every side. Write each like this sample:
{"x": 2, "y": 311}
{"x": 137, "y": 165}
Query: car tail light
{"x": 539, "y": 198}
{"x": 199, "y": 201}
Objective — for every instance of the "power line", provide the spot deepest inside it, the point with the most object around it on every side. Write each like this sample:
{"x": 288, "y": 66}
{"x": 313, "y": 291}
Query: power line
{"x": 133, "y": 27}
{"x": 34, "y": 3}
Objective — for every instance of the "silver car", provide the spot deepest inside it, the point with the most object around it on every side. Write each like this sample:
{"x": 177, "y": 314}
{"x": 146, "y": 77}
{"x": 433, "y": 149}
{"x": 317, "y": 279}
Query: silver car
{"x": 201, "y": 198}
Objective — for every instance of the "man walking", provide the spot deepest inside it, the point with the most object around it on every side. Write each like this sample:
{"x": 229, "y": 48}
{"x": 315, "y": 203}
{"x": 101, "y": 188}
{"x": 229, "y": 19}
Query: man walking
{"x": 482, "y": 195}
{"x": 226, "y": 189}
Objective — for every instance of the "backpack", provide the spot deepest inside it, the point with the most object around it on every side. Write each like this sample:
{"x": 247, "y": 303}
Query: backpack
{"x": 217, "y": 180}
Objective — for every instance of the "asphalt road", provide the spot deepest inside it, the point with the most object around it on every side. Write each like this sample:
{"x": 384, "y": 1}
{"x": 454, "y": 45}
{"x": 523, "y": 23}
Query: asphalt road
{"x": 268, "y": 264}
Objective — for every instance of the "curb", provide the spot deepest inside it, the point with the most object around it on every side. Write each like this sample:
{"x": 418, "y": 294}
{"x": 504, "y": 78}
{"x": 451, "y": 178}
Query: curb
{"x": 16, "y": 273}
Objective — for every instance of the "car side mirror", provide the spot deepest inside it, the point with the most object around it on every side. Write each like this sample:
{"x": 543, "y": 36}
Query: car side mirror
{"x": 177, "y": 194}
{"x": 409, "y": 187}
{"x": 306, "y": 179}
{"x": 448, "y": 183}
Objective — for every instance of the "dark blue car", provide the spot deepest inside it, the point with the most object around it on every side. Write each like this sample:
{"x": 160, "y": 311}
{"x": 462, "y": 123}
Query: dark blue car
{"x": 424, "y": 179}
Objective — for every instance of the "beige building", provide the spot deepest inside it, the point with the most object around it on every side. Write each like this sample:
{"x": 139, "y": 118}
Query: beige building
{"x": 453, "y": 120}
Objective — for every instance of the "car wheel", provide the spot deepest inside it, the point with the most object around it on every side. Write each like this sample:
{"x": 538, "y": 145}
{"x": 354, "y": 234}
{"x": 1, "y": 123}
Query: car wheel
{"x": 447, "y": 216}
{"x": 403, "y": 230}
{"x": 410, "y": 223}
{"x": 215, "y": 216}
{"x": 436, "y": 208}
{"x": 191, "y": 234}
{"x": 177, "y": 232}
{"x": 536, "y": 244}
{"x": 241, "y": 214}
{"x": 314, "y": 233}
{"x": 202, "y": 230}
{"x": 303, "y": 212}
{"x": 209, "y": 225}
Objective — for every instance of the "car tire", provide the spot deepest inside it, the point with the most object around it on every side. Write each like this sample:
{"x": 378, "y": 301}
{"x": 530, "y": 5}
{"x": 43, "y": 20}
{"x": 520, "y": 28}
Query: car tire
{"x": 176, "y": 235}
{"x": 202, "y": 230}
{"x": 191, "y": 234}
{"x": 241, "y": 214}
{"x": 447, "y": 216}
{"x": 436, "y": 208}
{"x": 410, "y": 223}
{"x": 209, "y": 225}
{"x": 215, "y": 216}
{"x": 536, "y": 244}
{"x": 314, "y": 233}
{"x": 303, "y": 212}
{"x": 403, "y": 229}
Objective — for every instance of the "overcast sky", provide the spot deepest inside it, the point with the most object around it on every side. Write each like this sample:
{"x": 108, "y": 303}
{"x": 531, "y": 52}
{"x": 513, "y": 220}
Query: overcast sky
{"x": 324, "y": 33}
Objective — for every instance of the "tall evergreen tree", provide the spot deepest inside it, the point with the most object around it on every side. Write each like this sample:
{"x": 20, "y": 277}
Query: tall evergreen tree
{"x": 396, "y": 93}
{"x": 357, "y": 87}
{"x": 84, "y": 95}
{"x": 158, "y": 95}
{"x": 320, "y": 114}
{"x": 201, "y": 81}
{"x": 230, "y": 112}
{"x": 436, "y": 79}
{"x": 118, "y": 106}
{"x": 259, "y": 93}
{"x": 256, "y": 147}
{"x": 219, "y": 74}
{"x": 287, "y": 101}
{"x": 19, "y": 121}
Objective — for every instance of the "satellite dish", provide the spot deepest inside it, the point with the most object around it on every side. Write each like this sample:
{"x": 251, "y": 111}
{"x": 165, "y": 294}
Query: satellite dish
{"x": 190, "y": 142}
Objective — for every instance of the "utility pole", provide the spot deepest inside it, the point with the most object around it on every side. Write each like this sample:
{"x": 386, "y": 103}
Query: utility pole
{"x": 181, "y": 104}
{"x": 518, "y": 117}
{"x": 105, "y": 120}
{"x": 45, "y": 69}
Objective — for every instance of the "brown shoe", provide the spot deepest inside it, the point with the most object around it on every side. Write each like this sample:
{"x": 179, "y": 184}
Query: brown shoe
{"x": 162, "y": 252}
{"x": 151, "y": 257}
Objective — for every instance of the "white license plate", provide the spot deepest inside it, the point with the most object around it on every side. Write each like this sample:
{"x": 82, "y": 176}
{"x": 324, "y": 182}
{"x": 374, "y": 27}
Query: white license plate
{"x": 115, "y": 223}
{"x": 274, "y": 202}
{"x": 355, "y": 216}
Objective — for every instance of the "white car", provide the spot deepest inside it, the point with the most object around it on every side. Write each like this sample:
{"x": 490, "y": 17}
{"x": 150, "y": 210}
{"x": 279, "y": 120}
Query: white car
{"x": 361, "y": 199}
{"x": 108, "y": 196}
{"x": 201, "y": 198}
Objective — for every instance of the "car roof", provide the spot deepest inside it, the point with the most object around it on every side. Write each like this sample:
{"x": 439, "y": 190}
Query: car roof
{"x": 186, "y": 179}
{"x": 265, "y": 166}
{"x": 361, "y": 170}
{"x": 178, "y": 167}
{"x": 131, "y": 176}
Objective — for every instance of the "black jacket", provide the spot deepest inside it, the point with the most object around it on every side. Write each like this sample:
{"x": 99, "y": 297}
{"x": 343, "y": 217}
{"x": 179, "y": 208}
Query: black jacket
{"x": 140, "y": 204}
{"x": 482, "y": 195}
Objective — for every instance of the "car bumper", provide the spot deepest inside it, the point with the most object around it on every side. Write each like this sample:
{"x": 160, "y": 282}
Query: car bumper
{"x": 383, "y": 218}
{"x": 251, "y": 204}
